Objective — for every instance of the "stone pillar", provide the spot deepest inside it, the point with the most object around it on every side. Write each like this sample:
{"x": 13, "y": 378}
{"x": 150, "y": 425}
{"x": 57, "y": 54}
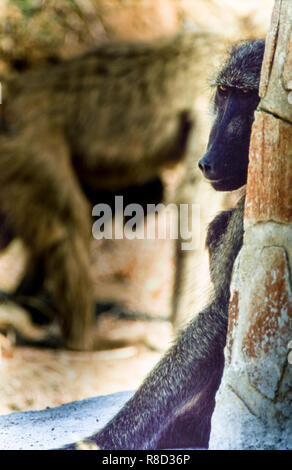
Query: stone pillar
{"x": 254, "y": 403}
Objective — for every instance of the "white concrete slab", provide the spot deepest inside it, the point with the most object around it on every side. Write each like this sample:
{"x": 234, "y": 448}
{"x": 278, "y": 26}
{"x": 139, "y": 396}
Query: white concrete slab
{"x": 53, "y": 428}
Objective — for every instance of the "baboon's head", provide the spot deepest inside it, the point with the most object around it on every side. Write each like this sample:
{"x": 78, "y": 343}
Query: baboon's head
{"x": 226, "y": 159}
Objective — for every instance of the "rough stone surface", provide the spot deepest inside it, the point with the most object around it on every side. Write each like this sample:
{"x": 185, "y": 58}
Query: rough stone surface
{"x": 269, "y": 194}
{"x": 56, "y": 427}
{"x": 269, "y": 234}
{"x": 264, "y": 333}
{"x": 275, "y": 99}
{"x": 287, "y": 72}
{"x": 248, "y": 432}
{"x": 254, "y": 403}
{"x": 271, "y": 41}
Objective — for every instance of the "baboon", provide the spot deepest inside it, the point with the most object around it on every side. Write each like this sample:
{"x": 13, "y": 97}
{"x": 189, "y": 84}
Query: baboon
{"x": 174, "y": 405}
{"x": 79, "y": 132}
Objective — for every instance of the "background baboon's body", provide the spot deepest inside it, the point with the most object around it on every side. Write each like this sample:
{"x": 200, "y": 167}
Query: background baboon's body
{"x": 119, "y": 108}
{"x": 108, "y": 120}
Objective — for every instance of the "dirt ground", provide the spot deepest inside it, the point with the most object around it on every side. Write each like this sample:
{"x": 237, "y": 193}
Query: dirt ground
{"x": 36, "y": 379}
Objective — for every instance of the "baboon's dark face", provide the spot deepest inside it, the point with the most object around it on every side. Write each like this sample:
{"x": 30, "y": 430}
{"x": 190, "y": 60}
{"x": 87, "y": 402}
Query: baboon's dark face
{"x": 226, "y": 159}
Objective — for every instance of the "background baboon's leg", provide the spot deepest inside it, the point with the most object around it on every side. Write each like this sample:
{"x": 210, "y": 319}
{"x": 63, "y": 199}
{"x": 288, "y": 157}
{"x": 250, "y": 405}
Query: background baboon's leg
{"x": 6, "y": 234}
{"x": 33, "y": 280}
{"x": 46, "y": 208}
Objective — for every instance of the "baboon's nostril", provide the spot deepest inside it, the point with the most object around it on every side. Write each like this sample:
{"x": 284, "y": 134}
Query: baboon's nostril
{"x": 206, "y": 168}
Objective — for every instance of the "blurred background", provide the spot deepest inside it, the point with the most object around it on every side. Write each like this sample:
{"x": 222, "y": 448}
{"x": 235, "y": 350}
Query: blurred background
{"x": 135, "y": 275}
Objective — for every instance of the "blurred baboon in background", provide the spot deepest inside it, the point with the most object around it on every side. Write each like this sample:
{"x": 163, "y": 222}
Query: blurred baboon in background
{"x": 82, "y": 130}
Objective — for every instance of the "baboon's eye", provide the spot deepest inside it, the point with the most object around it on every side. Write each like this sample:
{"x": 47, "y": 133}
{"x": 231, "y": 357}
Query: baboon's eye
{"x": 222, "y": 89}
